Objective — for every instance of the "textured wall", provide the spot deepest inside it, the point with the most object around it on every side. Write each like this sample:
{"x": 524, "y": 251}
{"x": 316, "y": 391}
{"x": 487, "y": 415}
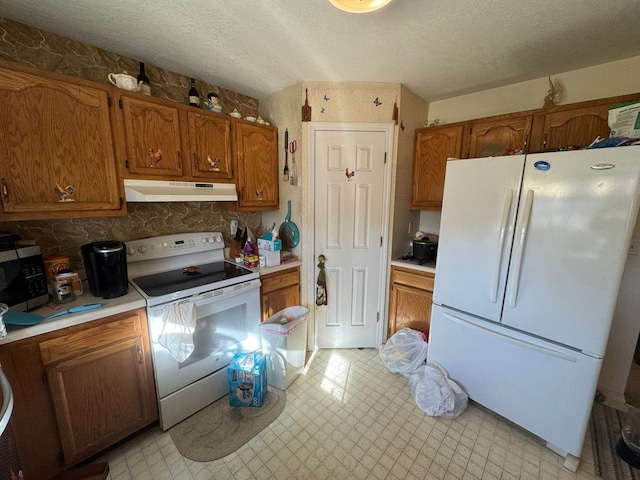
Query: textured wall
{"x": 31, "y": 46}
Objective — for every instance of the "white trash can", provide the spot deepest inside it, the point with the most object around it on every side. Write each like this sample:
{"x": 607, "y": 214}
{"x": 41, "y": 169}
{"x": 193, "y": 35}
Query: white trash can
{"x": 284, "y": 342}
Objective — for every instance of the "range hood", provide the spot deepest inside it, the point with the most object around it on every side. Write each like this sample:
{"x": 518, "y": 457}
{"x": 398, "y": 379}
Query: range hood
{"x": 168, "y": 191}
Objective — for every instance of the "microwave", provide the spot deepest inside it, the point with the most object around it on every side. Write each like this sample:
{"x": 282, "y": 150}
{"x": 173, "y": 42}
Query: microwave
{"x": 23, "y": 284}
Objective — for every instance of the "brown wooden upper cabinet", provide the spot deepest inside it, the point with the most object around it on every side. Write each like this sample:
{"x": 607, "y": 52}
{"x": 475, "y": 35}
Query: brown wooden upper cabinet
{"x": 152, "y": 137}
{"x": 511, "y": 132}
{"x": 255, "y": 150}
{"x": 433, "y": 146}
{"x": 576, "y": 124}
{"x": 209, "y": 146}
{"x": 56, "y": 146}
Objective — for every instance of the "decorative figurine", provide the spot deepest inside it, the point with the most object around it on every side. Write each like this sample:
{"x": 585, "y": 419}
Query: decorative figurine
{"x": 64, "y": 194}
{"x": 213, "y": 103}
{"x": 553, "y": 94}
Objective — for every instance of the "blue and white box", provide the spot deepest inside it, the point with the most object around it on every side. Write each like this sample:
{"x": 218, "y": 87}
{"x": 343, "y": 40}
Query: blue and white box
{"x": 247, "y": 374}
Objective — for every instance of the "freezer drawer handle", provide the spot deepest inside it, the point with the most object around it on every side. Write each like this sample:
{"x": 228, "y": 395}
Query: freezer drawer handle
{"x": 514, "y": 341}
{"x": 524, "y": 228}
{"x": 503, "y": 228}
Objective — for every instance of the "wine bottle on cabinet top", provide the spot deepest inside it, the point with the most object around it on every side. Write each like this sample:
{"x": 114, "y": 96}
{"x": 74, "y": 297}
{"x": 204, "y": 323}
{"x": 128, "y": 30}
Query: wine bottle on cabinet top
{"x": 194, "y": 96}
{"x": 143, "y": 80}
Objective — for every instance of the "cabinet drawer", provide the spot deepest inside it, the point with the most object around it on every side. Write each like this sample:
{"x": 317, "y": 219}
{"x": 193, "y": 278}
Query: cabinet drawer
{"x": 280, "y": 280}
{"x": 63, "y": 347}
{"x": 423, "y": 281}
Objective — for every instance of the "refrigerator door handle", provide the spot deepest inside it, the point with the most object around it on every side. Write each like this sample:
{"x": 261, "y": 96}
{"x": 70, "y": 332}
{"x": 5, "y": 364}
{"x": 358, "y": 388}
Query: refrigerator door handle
{"x": 517, "y": 262}
{"x": 499, "y": 251}
{"x": 514, "y": 341}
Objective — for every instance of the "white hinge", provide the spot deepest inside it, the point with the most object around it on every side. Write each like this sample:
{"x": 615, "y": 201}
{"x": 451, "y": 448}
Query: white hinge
{"x": 385, "y": 158}
{"x": 377, "y": 317}
{"x": 380, "y": 241}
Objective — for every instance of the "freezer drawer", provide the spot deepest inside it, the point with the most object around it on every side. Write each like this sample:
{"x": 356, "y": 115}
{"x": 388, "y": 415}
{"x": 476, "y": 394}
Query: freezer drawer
{"x": 542, "y": 387}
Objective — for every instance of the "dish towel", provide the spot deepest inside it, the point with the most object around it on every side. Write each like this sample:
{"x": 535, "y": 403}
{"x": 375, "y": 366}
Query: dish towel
{"x": 321, "y": 284}
{"x": 177, "y": 330}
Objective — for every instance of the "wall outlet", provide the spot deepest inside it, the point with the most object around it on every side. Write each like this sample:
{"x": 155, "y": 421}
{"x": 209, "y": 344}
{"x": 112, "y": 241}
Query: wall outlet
{"x": 635, "y": 245}
{"x": 233, "y": 227}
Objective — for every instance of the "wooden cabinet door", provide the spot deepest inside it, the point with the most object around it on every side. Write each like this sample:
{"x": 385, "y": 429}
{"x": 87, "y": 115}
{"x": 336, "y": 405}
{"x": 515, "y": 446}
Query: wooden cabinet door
{"x": 56, "y": 147}
{"x": 209, "y": 146}
{"x": 510, "y": 133}
{"x": 277, "y": 300}
{"x": 578, "y": 127}
{"x": 576, "y": 124}
{"x": 101, "y": 384}
{"x": 256, "y": 153}
{"x": 433, "y": 146}
{"x": 152, "y": 138}
{"x": 410, "y": 300}
{"x": 280, "y": 290}
{"x": 33, "y": 419}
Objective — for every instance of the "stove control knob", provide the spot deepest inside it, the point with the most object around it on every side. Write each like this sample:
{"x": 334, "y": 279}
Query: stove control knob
{"x": 131, "y": 250}
{"x": 142, "y": 249}
{"x": 218, "y": 239}
{"x": 210, "y": 240}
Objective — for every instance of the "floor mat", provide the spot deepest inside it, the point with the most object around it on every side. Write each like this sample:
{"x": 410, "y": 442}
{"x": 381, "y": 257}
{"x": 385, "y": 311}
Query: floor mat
{"x": 219, "y": 429}
{"x": 606, "y": 423}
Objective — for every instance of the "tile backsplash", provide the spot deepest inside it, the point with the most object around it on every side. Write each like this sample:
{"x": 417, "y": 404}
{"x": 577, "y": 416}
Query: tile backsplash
{"x": 31, "y": 46}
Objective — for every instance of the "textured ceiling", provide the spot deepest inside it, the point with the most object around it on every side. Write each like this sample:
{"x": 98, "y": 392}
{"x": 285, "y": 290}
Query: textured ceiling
{"x": 438, "y": 49}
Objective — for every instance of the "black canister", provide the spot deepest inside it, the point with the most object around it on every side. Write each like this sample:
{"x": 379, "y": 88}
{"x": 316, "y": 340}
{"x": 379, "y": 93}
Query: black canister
{"x": 106, "y": 265}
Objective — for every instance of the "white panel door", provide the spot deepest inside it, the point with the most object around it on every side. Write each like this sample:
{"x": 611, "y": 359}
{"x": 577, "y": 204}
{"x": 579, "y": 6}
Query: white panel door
{"x": 476, "y": 231}
{"x": 349, "y": 173}
{"x": 575, "y": 222}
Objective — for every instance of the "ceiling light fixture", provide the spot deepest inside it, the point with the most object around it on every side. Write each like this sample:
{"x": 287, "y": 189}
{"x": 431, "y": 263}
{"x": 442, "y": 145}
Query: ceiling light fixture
{"x": 359, "y": 6}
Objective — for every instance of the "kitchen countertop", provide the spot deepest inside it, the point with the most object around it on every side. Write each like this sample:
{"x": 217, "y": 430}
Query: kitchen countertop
{"x": 427, "y": 267}
{"x": 111, "y": 306}
{"x": 277, "y": 268}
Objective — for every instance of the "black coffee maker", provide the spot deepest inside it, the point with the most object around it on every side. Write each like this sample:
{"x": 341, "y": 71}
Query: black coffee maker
{"x": 106, "y": 265}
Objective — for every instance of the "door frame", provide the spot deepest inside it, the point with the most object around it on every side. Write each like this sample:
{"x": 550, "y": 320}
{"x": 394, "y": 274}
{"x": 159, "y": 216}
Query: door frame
{"x": 388, "y": 129}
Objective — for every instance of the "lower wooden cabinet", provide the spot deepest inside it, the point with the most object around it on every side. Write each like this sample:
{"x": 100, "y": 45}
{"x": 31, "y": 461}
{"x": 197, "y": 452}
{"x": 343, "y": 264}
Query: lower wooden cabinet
{"x": 410, "y": 300}
{"x": 280, "y": 290}
{"x": 79, "y": 390}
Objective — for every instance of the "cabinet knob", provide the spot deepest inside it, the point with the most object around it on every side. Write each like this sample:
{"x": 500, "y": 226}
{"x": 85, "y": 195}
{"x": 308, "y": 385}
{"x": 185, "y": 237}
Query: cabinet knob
{"x": 544, "y": 142}
{"x": 140, "y": 358}
{"x": 179, "y": 159}
{"x": 195, "y": 162}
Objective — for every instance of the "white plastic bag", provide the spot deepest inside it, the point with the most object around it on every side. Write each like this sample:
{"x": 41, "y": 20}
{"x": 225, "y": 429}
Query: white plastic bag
{"x": 405, "y": 351}
{"x": 435, "y": 393}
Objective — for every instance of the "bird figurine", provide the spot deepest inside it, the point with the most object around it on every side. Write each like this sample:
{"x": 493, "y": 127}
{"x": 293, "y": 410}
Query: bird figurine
{"x": 155, "y": 157}
{"x": 554, "y": 94}
{"x": 213, "y": 164}
{"x": 63, "y": 194}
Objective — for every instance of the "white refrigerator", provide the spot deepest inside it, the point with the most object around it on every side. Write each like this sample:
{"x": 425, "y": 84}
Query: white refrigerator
{"x": 530, "y": 258}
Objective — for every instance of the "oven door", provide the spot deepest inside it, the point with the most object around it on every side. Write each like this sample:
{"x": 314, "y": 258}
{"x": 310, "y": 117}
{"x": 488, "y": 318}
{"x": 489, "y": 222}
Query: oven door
{"x": 215, "y": 326}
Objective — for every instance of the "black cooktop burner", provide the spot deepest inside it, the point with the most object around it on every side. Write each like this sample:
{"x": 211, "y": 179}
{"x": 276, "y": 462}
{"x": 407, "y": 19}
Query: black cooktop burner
{"x": 166, "y": 283}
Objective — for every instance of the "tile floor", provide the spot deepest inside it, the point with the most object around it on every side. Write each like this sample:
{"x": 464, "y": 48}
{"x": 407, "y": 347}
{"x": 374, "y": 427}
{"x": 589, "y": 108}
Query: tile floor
{"x": 348, "y": 417}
